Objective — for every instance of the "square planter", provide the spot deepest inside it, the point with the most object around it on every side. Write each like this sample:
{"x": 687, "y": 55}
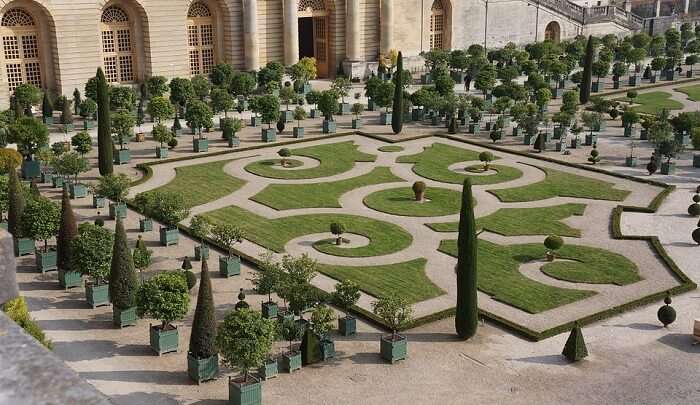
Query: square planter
{"x": 288, "y": 115}
{"x": 48, "y": 120}
{"x": 347, "y": 326}
{"x": 631, "y": 161}
{"x": 696, "y": 160}
{"x": 68, "y": 127}
{"x": 473, "y": 127}
{"x": 371, "y": 106}
{"x": 356, "y": 123}
{"x": 169, "y": 236}
{"x": 327, "y": 349}
{"x": 4, "y": 225}
{"x": 682, "y": 139}
{"x": 57, "y": 181}
{"x": 46, "y": 177}
{"x": 255, "y": 121}
{"x": 234, "y": 142}
{"x": 315, "y": 113}
{"x": 653, "y": 78}
{"x": 602, "y": 126}
{"x": 560, "y": 146}
{"x": 145, "y": 224}
{"x": 97, "y": 295}
{"x": 591, "y": 139}
{"x": 201, "y": 252}
{"x": 229, "y": 266}
{"x": 117, "y": 210}
{"x": 124, "y": 317}
{"x": 200, "y": 145}
{"x": 69, "y": 279}
{"x": 291, "y": 362}
{"x": 201, "y": 370}
{"x": 88, "y": 124}
{"x": 24, "y": 246}
{"x": 31, "y": 169}
{"x": 559, "y": 133}
{"x": 596, "y": 87}
{"x": 269, "y": 310}
{"x": 161, "y": 153}
{"x": 689, "y": 73}
{"x": 434, "y": 120}
{"x": 140, "y": 137}
{"x": 164, "y": 341}
{"x": 630, "y": 131}
{"x": 77, "y": 190}
{"x": 418, "y": 114}
{"x": 98, "y": 201}
{"x": 575, "y": 143}
{"x": 529, "y": 139}
{"x": 242, "y": 102}
{"x": 644, "y": 134}
{"x": 269, "y": 370}
{"x": 268, "y": 134}
{"x": 616, "y": 84}
{"x": 517, "y": 131}
{"x": 244, "y": 394}
{"x": 46, "y": 261}
{"x": 634, "y": 81}
{"x": 298, "y": 132}
{"x": 385, "y": 118}
{"x": 671, "y": 74}
{"x": 123, "y": 156}
{"x": 344, "y": 108}
{"x": 668, "y": 168}
{"x": 284, "y": 315}
{"x": 394, "y": 350}
{"x": 458, "y": 77}
{"x": 329, "y": 127}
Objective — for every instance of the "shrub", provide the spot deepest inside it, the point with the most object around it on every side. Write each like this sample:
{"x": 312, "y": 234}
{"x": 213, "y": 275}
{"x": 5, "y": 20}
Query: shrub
{"x": 227, "y": 235}
{"x": 666, "y": 314}
{"x": 394, "y": 310}
{"x": 163, "y": 297}
{"x": 358, "y": 109}
{"x": 346, "y": 294}
{"x": 337, "y": 228}
{"x": 322, "y": 320}
{"x": 82, "y": 142}
{"x": 419, "y": 187}
{"x": 696, "y": 138}
{"x": 41, "y": 220}
{"x": 190, "y": 278}
{"x": 92, "y": 255}
{"x": 594, "y": 158}
{"x": 291, "y": 331}
{"x": 694, "y": 210}
{"x": 167, "y": 207}
{"x": 162, "y": 134}
{"x": 575, "y": 347}
{"x": 16, "y": 309}
{"x": 113, "y": 186}
{"x": 202, "y": 339}
{"x": 172, "y": 143}
{"x": 553, "y": 242}
{"x": 123, "y": 127}
{"x": 122, "y": 277}
{"x": 244, "y": 339}
{"x": 486, "y": 157}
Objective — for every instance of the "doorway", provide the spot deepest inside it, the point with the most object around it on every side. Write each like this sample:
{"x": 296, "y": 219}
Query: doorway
{"x": 306, "y": 37}
{"x": 313, "y": 42}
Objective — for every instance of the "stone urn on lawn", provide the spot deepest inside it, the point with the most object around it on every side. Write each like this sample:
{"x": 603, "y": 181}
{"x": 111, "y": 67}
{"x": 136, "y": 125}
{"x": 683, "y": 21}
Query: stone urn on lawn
{"x": 165, "y": 297}
{"x": 396, "y": 313}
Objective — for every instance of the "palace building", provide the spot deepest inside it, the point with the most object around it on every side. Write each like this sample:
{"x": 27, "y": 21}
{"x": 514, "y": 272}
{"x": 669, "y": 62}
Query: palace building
{"x": 58, "y": 44}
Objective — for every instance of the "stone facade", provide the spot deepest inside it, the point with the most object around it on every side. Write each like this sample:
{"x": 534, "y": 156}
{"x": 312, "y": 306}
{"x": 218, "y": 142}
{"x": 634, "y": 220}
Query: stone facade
{"x": 62, "y": 42}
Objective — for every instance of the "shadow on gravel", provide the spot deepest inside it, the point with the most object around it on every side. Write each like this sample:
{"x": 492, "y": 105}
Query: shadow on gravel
{"x": 152, "y": 398}
{"x": 680, "y": 341}
{"x": 76, "y": 350}
{"x": 550, "y": 359}
{"x": 639, "y": 326}
{"x": 156, "y": 377}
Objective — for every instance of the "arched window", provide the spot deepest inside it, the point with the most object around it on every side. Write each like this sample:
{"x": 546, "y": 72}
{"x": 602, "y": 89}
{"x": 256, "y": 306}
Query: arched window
{"x": 20, "y": 42}
{"x": 437, "y": 25}
{"x": 200, "y": 39}
{"x": 117, "y": 48}
{"x": 552, "y": 32}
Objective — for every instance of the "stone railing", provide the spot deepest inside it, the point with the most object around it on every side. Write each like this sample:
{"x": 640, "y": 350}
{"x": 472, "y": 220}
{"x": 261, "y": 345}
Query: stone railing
{"x": 593, "y": 15}
{"x": 565, "y": 7}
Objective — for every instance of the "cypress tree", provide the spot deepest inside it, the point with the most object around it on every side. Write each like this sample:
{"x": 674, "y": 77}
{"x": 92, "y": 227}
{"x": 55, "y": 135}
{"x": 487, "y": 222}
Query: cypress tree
{"x": 202, "y": 339}
{"x": 104, "y": 130}
{"x": 467, "y": 317}
{"x": 310, "y": 348}
{"x": 46, "y": 106}
{"x": 575, "y": 348}
{"x": 16, "y": 205}
{"x": 66, "y": 233}
{"x": 397, "y": 109}
{"x": 123, "y": 281}
{"x": 585, "y": 92}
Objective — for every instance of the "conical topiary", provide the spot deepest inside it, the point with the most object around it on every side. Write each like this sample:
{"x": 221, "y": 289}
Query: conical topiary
{"x": 397, "y": 108}
{"x": 123, "y": 280}
{"x": 66, "y": 233}
{"x": 16, "y": 205}
{"x": 666, "y": 314}
{"x": 46, "y": 106}
{"x": 575, "y": 348}
{"x": 585, "y": 91}
{"x": 310, "y": 348}
{"x": 202, "y": 344}
{"x": 104, "y": 126}
{"x": 186, "y": 264}
{"x": 467, "y": 316}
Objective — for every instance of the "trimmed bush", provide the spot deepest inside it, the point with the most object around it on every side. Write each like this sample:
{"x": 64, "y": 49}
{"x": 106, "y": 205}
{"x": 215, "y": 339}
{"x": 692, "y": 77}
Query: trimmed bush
{"x": 694, "y": 209}
{"x": 104, "y": 126}
{"x": 163, "y": 297}
{"x": 16, "y": 309}
{"x": 419, "y": 190}
{"x": 467, "y": 313}
{"x": 202, "y": 339}
{"x": 553, "y": 243}
{"x": 575, "y": 347}
{"x": 190, "y": 279}
{"x": 666, "y": 314}
{"x": 123, "y": 280}
{"x": 486, "y": 157}
{"x": 244, "y": 339}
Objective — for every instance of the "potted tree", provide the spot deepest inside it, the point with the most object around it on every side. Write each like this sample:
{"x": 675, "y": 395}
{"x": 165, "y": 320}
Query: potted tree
{"x": 591, "y": 120}
{"x": 321, "y": 323}
{"x": 40, "y": 221}
{"x": 631, "y": 160}
{"x": 244, "y": 339}
{"x": 284, "y": 153}
{"x": 657, "y": 64}
{"x": 288, "y": 96}
{"x": 337, "y": 229}
{"x": 691, "y": 60}
{"x": 71, "y": 165}
{"x": 47, "y": 109}
{"x": 341, "y": 87}
{"x": 384, "y": 97}
{"x": 115, "y": 187}
{"x": 301, "y": 72}
{"x": 266, "y": 281}
{"x": 313, "y": 98}
{"x": 346, "y": 294}
{"x": 30, "y": 135}
{"x": 328, "y": 104}
{"x": 142, "y": 202}
{"x": 88, "y": 109}
{"x": 357, "y": 110}
{"x": 169, "y": 208}
{"x": 92, "y": 258}
{"x": 486, "y": 158}
{"x": 200, "y": 228}
{"x": 242, "y": 84}
{"x": 228, "y": 235}
{"x": 197, "y": 116}
{"x": 291, "y": 331}
{"x": 202, "y": 356}
{"x": 162, "y": 135}
{"x": 269, "y": 108}
{"x": 159, "y": 109}
{"x": 140, "y": 120}
{"x": 396, "y": 313}
{"x": 419, "y": 188}
{"x": 299, "y": 115}
{"x": 222, "y": 101}
{"x": 67, "y": 232}
{"x": 123, "y": 128}
{"x": 17, "y": 200}
{"x": 164, "y": 297}
{"x": 231, "y": 127}
{"x": 123, "y": 281}
{"x": 629, "y": 118}
{"x": 552, "y": 243}
{"x": 141, "y": 256}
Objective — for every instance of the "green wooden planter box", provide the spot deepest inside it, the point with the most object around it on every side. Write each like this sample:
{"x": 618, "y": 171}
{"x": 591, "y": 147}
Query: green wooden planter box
{"x": 255, "y": 121}
{"x": 270, "y": 310}
{"x": 315, "y": 113}
{"x": 529, "y": 139}
{"x": 234, "y": 142}
{"x": 124, "y": 317}
{"x": 418, "y": 114}
{"x": 145, "y": 224}
{"x": 268, "y": 134}
{"x": 653, "y": 78}
{"x": 671, "y": 74}
{"x": 696, "y": 160}
{"x": 164, "y": 341}
{"x": 347, "y": 326}
{"x": 46, "y": 261}
{"x": 688, "y": 73}
{"x": 57, "y": 181}
{"x": 201, "y": 370}
{"x": 284, "y": 315}
{"x": 596, "y": 87}
{"x": 201, "y": 252}
{"x": 200, "y": 145}
{"x": 644, "y": 134}
{"x": 98, "y": 201}
{"x": 24, "y": 246}
{"x": 298, "y": 132}
{"x": 31, "y": 169}
{"x": 458, "y": 77}
{"x": 682, "y": 139}
{"x": 69, "y": 279}
{"x": 97, "y": 295}
{"x": 77, "y": 190}
{"x": 4, "y": 225}
{"x": 327, "y": 349}
{"x": 169, "y": 236}
{"x": 560, "y": 146}
{"x": 602, "y": 126}
{"x": 46, "y": 177}
{"x": 117, "y": 210}
{"x": 634, "y": 81}
{"x": 249, "y": 394}
{"x": 48, "y": 120}
{"x": 88, "y": 124}
{"x": 288, "y": 115}
{"x": 269, "y": 370}
{"x": 630, "y": 131}
{"x": 344, "y": 108}
{"x": 229, "y": 266}
{"x": 668, "y": 168}
{"x": 434, "y": 120}
{"x": 426, "y": 79}
{"x": 122, "y": 156}
{"x": 473, "y": 127}
{"x": 393, "y": 351}
{"x": 559, "y": 132}
{"x": 329, "y": 127}
{"x": 517, "y": 131}
{"x": 68, "y": 127}
{"x": 161, "y": 153}
{"x": 385, "y": 118}
{"x": 291, "y": 362}
{"x": 631, "y": 161}
{"x": 575, "y": 143}
{"x": 591, "y": 139}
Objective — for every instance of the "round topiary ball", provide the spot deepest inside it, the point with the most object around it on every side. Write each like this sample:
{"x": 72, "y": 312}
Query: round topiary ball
{"x": 100, "y": 222}
{"x": 172, "y": 143}
{"x": 553, "y": 242}
{"x": 418, "y": 186}
{"x": 694, "y": 209}
{"x": 486, "y": 156}
{"x": 696, "y": 198}
{"x": 191, "y": 279}
{"x": 696, "y": 236}
{"x": 666, "y": 314}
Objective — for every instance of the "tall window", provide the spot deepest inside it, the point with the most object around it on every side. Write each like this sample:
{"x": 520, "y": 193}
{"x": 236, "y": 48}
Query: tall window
{"x": 437, "y": 25}
{"x": 117, "y": 48}
{"x": 200, "y": 39}
{"x": 20, "y": 42}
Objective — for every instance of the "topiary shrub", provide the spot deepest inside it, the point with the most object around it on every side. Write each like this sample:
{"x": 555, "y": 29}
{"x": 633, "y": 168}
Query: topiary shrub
{"x": 652, "y": 167}
{"x": 694, "y": 209}
{"x": 419, "y": 190}
{"x": 190, "y": 279}
{"x": 172, "y": 143}
{"x": 594, "y": 156}
{"x": 666, "y": 314}
{"x": 337, "y": 229}
{"x": 99, "y": 222}
{"x": 486, "y": 157}
{"x": 552, "y": 243}
{"x": 16, "y": 309}
{"x": 575, "y": 347}
{"x": 284, "y": 153}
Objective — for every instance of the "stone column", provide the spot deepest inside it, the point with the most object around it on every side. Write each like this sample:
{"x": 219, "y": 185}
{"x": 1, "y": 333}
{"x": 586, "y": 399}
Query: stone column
{"x": 291, "y": 32}
{"x": 628, "y": 6}
{"x": 686, "y": 6}
{"x": 386, "y": 42}
{"x": 658, "y": 8}
{"x": 352, "y": 30}
{"x": 250, "y": 34}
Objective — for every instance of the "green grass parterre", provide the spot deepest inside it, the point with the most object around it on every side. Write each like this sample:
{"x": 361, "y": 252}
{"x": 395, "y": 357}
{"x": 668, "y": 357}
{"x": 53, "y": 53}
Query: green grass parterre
{"x": 401, "y": 201}
{"x": 653, "y": 102}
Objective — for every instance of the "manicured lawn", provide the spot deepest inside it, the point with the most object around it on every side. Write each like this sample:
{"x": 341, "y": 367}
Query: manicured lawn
{"x": 524, "y": 221}
{"x": 319, "y": 195}
{"x": 334, "y": 158}
{"x": 407, "y": 279}
{"x": 562, "y": 184}
{"x": 653, "y": 102}
{"x": 693, "y": 92}
{"x": 391, "y": 148}
{"x": 385, "y": 238}
{"x": 202, "y": 183}
{"x": 401, "y": 201}
{"x": 434, "y": 161}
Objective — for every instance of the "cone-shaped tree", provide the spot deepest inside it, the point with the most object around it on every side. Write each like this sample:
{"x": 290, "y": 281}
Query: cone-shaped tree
{"x": 123, "y": 280}
{"x": 66, "y": 233}
{"x": 575, "y": 348}
{"x": 467, "y": 317}
{"x": 585, "y": 92}
{"x": 104, "y": 126}
{"x": 16, "y": 205}
{"x": 46, "y": 106}
{"x": 310, "y": 348}
{"x": 397, "y": 109}
{"x": 202, "y": 339}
